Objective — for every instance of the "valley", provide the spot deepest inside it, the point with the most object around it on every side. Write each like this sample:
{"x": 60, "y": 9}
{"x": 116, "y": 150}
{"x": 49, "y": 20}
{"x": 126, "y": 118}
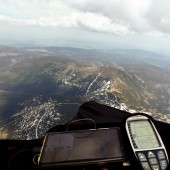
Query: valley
{"x": 44, "y": 87}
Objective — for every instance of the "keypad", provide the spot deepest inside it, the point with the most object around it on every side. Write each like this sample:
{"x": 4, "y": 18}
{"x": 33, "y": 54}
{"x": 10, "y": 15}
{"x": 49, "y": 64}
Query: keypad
{"x": 153, "y": 160}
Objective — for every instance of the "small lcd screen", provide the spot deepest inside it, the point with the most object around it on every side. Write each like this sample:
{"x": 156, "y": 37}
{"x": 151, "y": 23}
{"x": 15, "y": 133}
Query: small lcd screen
{"x": 143, "y": 135}
{"x": 81, "y": 146}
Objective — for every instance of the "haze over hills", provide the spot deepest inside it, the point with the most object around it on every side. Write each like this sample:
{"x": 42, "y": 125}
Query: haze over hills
{"x": 43, "y": 87}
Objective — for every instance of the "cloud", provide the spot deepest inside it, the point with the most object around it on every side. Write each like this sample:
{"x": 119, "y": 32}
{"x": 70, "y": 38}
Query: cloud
{"x": 149, "y": 17}
{"x": 158, "y": 15}
{"x": 8, "y": 19}
{"x": 88, "y": 21}
{"x": 100, "y": 23}
{"x": 122, "y": 12}
{"x": 119, "y": 17}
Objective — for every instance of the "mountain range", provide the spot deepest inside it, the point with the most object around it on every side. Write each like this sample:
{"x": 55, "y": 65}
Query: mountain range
{"x": 44, "y": 87}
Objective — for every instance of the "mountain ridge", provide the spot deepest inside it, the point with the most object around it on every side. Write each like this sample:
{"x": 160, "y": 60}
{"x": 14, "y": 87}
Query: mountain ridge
{"x": 44, "y": 79}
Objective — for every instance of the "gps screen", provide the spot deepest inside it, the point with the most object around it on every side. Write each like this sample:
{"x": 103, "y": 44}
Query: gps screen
{"x": 82, "y": 146}
{"x": 143, "y": 135}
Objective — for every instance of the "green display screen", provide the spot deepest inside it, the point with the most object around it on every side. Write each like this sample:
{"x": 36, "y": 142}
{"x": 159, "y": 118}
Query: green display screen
{"x": 143, "y": 135}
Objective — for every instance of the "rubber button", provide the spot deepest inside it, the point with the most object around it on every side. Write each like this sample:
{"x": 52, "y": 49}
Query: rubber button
{"x": 145, "y": 165}
{"x": 163, "y": 164}
{"x": 155, "y": 167}
{"x": 153, "y": 161}
{"x": 161, "y": 155}
{"x": 151, "y": 155}
{"x": 142, "y": 157}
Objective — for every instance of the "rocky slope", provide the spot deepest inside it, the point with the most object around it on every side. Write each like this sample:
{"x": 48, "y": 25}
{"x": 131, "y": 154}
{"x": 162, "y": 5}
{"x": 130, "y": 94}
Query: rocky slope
{"x": 41, "y": 88}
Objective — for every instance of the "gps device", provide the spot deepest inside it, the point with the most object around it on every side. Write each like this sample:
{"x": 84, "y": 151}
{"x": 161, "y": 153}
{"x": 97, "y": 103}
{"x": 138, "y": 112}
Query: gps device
{"x": 146, "y": 143}
{"x": 81, "y": 147}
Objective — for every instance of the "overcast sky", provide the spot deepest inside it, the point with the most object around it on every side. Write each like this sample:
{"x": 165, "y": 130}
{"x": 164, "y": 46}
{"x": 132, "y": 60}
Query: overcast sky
{"x": 141, "y": 24}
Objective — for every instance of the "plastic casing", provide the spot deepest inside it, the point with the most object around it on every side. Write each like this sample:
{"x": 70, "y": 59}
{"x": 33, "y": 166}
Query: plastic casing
{"x": 141, "y": 117}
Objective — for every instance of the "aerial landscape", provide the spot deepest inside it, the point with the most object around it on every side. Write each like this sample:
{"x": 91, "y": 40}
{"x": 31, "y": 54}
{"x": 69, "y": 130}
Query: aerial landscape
{"x": 56, "y": 55}
{"x": 44, "y": 87}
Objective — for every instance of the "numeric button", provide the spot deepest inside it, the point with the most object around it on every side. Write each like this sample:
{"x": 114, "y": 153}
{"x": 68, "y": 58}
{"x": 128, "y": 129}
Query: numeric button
{"x": 163, "y": 164}
{"x": 161, "y": 155}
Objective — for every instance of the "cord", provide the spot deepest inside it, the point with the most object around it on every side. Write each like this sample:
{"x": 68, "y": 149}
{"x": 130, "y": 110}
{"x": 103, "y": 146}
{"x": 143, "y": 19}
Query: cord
{"x": 79, "y": 137}
{"x": 37, "y": 155}
{"x": 86, "y": 119}
{"x": 20, "y": 151}
{"x": 9, "y": 162}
